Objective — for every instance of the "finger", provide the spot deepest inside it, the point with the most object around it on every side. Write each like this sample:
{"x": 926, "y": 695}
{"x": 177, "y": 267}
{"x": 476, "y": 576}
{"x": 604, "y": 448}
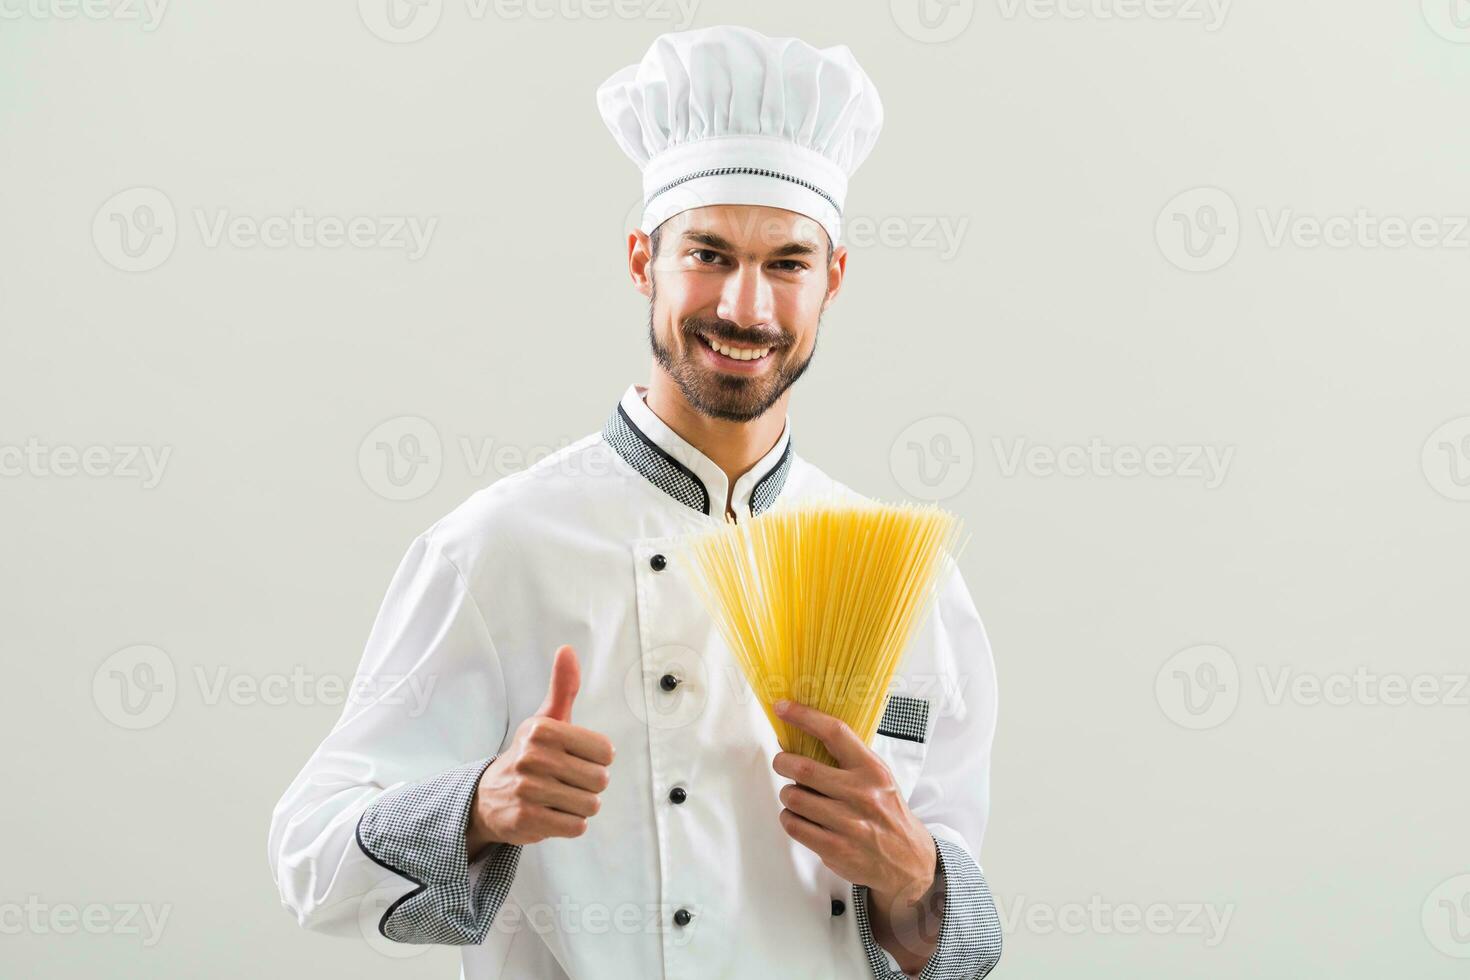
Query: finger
{"x": 827, "y": 780}
{"x": 821, "y": 810}
{"x": 546, "y": 821}
{"x": 813, "y": 837}
{"x": 566, "y": 678}
{"x": 570, "y": 769}
{"x": 849, "y": 750}
{"x": 559, "y": 796}
{"x": 586, "y": 744}
{"x": 559, "y": 735}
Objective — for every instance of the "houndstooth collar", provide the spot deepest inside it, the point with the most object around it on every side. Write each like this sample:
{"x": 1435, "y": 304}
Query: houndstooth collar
{"x": 670, "y": 463}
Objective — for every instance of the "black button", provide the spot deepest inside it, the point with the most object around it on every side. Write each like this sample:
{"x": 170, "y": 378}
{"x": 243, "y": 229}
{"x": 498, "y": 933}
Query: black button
{"x": 678, "y": 795}
{"x": 668, "y": 682}
{"x": 837, "y": 907}
{"x": 658, "y": 562}
{"x": 682, "y": 917}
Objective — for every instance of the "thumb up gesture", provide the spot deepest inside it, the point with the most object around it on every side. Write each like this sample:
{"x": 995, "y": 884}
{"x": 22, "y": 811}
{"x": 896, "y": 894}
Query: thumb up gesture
{"x": 546, "y": 782}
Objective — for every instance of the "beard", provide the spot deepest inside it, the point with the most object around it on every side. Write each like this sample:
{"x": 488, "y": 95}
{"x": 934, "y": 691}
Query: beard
{"x": 733, "y": 397}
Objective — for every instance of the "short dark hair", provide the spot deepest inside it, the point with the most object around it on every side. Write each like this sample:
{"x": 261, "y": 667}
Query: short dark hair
{"x": 657, "y": 233}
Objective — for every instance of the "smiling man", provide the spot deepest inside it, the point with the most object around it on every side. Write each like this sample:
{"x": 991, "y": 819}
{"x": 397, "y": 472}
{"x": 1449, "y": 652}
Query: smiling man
{"x": 664, "y": 833}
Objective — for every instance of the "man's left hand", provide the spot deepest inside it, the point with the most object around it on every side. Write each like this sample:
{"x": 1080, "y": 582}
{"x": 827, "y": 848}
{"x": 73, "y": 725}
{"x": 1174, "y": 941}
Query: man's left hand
{"x": 853, "y": 816}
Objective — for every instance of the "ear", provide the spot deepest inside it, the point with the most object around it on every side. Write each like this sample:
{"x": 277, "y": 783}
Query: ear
{"x": 640, "y": 257}
{"x": 835, "y": 273}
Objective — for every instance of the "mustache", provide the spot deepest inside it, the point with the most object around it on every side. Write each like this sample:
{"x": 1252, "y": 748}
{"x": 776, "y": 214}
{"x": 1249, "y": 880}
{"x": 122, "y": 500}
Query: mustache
{"x": 728, "y": 332}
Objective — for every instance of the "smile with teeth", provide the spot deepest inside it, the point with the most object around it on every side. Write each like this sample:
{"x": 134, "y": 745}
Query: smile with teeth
{"x": 735, "y": 352}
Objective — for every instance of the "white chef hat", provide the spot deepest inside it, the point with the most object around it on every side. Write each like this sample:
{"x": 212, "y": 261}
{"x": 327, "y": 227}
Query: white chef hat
{"x": 726, "y": 115}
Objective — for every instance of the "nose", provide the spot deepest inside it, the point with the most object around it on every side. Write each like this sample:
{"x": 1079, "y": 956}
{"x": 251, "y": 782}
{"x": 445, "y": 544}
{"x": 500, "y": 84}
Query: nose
{"x": 746, "y": 299}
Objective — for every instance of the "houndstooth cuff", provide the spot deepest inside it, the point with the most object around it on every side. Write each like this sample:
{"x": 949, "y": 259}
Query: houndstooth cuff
{"x": 969, "y": 936}
{"x": 417, "y": 831}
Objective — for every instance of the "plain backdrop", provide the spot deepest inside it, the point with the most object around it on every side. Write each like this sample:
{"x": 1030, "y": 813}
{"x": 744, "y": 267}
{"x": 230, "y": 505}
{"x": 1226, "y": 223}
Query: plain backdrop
{"x": 1082, "y": 267}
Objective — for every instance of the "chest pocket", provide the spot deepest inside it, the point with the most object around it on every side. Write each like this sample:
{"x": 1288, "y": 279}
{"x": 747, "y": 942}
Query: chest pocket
{"x": 902, "y": 739}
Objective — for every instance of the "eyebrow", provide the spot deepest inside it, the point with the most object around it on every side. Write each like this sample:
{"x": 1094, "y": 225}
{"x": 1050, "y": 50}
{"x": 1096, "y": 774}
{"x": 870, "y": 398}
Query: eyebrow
{"x": 715, "y": 241}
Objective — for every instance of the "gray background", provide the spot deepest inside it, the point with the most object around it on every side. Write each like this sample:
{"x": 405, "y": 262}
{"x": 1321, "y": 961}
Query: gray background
{"x": 1141, "y": 624}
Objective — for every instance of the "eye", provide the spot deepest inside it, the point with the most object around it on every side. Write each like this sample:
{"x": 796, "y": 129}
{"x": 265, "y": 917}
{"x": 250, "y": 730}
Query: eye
{"x": 795, "y": 265}
{"x": 705, "y": 251}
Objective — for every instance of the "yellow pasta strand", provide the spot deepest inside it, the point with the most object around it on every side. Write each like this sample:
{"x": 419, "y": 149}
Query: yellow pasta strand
{"x": 818, "y": 602}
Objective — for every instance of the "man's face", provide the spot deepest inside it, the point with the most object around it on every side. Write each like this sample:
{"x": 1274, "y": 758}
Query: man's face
{"x": 736, "y": 296}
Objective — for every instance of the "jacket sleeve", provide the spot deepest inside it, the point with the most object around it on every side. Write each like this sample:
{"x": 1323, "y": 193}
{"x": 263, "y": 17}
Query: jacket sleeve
{"x": 952, "y": 797}
{"x": 376, "y": 818}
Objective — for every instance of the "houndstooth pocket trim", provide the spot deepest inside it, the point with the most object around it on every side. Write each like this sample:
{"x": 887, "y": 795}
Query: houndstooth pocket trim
{"x": 905, "y": 717}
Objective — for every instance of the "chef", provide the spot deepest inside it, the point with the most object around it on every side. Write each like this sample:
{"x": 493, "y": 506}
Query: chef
{"x": 592, "y": 790}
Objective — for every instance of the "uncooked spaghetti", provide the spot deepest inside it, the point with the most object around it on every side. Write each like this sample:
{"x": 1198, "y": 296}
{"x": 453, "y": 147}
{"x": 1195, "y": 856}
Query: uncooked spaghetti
{"x": 818, "y": 601}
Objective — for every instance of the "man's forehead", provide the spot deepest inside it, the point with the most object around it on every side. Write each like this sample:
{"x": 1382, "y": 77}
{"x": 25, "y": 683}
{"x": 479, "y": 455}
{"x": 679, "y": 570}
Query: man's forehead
{"x": 753, "y": 229}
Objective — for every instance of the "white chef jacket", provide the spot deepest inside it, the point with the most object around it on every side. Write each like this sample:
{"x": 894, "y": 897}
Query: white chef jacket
{"x": 582, "y": 548}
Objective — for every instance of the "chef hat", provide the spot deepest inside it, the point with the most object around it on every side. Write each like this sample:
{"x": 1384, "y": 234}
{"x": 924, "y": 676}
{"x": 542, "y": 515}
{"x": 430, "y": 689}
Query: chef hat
{"x": 726, "y": 115}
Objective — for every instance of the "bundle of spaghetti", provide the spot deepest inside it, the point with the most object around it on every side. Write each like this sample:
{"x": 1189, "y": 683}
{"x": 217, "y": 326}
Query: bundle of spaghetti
{"x": 818, "y": 601}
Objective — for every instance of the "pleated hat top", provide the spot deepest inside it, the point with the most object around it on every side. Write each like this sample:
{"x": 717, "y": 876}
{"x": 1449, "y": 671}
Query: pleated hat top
{"x": 727, "y": 115}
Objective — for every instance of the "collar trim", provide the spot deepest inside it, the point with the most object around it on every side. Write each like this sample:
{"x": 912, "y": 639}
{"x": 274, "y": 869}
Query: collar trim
{"x": 661, "y": 469}
{"x": 656, "y": 465}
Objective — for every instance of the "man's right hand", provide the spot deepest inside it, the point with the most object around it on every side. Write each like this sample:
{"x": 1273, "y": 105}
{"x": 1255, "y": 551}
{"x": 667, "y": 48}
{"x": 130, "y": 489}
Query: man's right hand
{"x": 546, "y": 782}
